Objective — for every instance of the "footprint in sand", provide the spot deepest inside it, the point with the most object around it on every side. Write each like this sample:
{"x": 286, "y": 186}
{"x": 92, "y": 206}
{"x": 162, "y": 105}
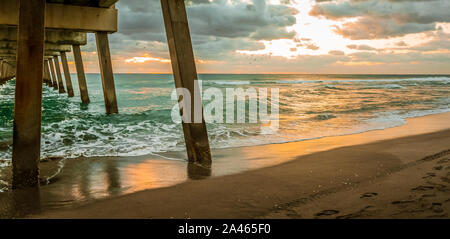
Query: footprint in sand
{"x": 438, "y": 168}
{"x": 366, "y": 211}
{"x": 326, "y": 213}
{"x": 428, "y": 195}
{"x": 369, "y": 195}
{"x": 439, "y": 187}
{"x": 445, "y": 179}
{"x": 402, "y": 202}
{"x": 437, "y": 207}
{"x": 423, "y": 188}
{"x": 429, "y": 175}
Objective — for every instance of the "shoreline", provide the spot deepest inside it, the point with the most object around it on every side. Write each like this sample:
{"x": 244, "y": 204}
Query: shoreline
{"x": 69, "y": 143}
{"x": 277, "y": 183}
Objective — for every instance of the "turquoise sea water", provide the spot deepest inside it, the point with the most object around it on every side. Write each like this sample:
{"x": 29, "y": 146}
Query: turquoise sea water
{"x": 311, "y": 106}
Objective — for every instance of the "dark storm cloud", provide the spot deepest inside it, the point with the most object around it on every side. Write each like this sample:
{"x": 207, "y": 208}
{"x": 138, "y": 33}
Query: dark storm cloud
{"x": 258, "y": 20}
{"x": 142, "y": 19}
{"x": 216, "y": 49}
{"x": 379, "y": 28}
{"x": 217, "y": 27}
{"x": 384, "y": 18}
{"x": 198, "y": 2}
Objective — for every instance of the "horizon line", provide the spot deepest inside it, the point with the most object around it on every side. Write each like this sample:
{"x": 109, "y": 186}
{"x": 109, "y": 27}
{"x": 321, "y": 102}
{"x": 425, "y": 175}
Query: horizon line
{"x": 276, "y": 73}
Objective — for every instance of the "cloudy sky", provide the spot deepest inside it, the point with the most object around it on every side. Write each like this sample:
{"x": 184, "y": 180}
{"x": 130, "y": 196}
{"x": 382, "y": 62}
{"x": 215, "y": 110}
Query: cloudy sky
{"x": 288, "y": 36}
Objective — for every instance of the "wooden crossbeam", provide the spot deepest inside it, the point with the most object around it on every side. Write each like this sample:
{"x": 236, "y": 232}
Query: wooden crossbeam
{"x": 7, "y": 45}
{"x": 61, "y": 16}
{"x": 106, "y": 3}
{"x": 89, "y": 3}
{"x": 66, "y": 37}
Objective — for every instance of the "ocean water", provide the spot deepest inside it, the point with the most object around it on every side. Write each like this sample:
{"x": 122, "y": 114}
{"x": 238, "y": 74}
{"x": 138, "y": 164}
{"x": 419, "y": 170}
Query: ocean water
{"x": 310, "y": 106}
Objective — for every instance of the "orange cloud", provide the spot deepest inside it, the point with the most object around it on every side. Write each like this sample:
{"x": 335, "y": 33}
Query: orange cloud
{"x": 359, "y": 63}
{"x": 143, "y": 59}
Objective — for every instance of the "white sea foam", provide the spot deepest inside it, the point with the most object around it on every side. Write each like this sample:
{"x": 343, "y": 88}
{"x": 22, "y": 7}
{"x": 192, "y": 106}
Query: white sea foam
{"x": 232, "y": 82}
{"x": 308, "y": 110}
{"x": 386, "y": 86}
{"x": 443, "y": 79}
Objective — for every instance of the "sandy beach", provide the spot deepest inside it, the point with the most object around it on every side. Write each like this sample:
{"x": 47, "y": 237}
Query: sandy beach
{"x": 401, "y": 172}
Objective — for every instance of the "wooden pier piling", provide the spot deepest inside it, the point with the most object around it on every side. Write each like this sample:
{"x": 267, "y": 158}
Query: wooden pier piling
{"x": 2, "y": 73}
{"x": 104, "y": 58}
{"x": 185, "y": 74}
{"x": 47, "y": 79}
{"x": 65, "y": 66}
{"x": 52, "y": 71}
{"x": 47, "y": 71}
{"x": 80, "y": 74}
{"x": 59, "y": 75}
{"x": 7, "y": 71}
{"x": 28, "y": 94}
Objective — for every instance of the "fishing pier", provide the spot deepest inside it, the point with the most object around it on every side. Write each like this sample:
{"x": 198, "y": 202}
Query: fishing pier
{"x": 35, "y": 38}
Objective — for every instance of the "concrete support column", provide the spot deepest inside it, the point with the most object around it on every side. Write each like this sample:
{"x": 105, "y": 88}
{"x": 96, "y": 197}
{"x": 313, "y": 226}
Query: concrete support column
{"x": 58, "y": 74}
{"x": 28, "y": 94}
{"x": 80, "y": 73}
{"x": 1, "y": 69}
{"x": 67, "y": 75}
{"x": 3, "y": 77}
{"x": 44, "y": 81}
{"x": 2, "y": 73}
{"x": 104, "y": 57}
{"x": 185, "y": 74}
{"x": 47, "y": 80}
{"x": 52, "y": 70}
{"x": 6, "y": 70}
{"x": 12, "y": 72}
{"x": 47, "y": 71}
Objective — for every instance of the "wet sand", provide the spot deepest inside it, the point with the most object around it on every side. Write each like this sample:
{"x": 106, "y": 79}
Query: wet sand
{"x": 399, "y": 172}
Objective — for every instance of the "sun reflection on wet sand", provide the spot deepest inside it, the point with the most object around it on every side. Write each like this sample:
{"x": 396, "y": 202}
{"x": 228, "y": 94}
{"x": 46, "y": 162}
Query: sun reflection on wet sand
{"x": 152, "y": 174}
